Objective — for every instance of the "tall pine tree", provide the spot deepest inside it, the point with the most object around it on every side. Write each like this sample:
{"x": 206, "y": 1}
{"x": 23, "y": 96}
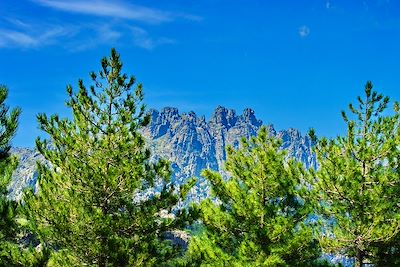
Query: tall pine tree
{"x": 15, "y": 248}
{"x": 357, "y": 182}
{"x": 259, "y": 214}
{"x": 94, "y": 205}
{"x": 8, "y": 208}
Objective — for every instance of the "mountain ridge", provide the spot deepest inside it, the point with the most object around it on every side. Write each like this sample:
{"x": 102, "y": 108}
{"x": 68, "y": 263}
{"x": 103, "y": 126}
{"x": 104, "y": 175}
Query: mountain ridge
{"x": 190, "y": 142}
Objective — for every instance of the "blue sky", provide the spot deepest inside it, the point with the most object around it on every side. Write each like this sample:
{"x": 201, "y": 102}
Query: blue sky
{"x": 296, "y": 63}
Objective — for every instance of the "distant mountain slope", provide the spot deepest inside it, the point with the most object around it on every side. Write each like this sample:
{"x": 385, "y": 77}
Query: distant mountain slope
{"x": 190, "y": 143}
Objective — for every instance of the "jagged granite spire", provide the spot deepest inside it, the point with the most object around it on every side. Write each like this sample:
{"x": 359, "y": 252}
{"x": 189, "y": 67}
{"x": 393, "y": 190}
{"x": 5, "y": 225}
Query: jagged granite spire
{"x": 192, "y": 144}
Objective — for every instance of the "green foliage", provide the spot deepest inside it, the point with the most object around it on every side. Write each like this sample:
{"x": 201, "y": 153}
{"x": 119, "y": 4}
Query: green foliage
{"x": 357, "y": 183}
{"x": 8, "y": 127}
{"x": 8, "y": 208}
{"x": 260, "y": 215}
{"x": 14, "y": 251}
{"x": 95, "y": 204}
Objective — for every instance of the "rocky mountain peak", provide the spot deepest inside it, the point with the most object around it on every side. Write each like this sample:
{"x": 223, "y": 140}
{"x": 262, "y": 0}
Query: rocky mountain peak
{"x": 190, "y": 117}
{"x": 223, "y": 116}
{"x": 191, "y": 144}
{"x": 170, "y": 112}
{"x": 248, "y": 116}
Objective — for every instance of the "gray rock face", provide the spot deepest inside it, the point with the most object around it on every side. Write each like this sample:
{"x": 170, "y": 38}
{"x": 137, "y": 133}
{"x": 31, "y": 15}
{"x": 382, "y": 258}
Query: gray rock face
{"x": 298, "y": 147}
{"x": 25, "y": 174}
{"x": 191, "y": 144}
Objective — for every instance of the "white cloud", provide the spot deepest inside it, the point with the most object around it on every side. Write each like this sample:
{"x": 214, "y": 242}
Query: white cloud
{"x": 94, "y": 35}
{"x": 100, "y": 34}
{"x": 141, "y": 38}
{"x": 77, "y": 37}
{"x": 328, "y": 5}
{"x": 304, "y": 31}
{"x": 113, "y": 26}
{"x": 17, "y": 23}
{"x": 115, "y": 9}
{"x": 26, "y": 39}
{"x": 106, "y": 33}
{"x": 15, "y": 38}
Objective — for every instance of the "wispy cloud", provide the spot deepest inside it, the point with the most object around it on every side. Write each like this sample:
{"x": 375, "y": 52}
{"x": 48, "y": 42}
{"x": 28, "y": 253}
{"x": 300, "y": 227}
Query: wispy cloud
{"x": 15, "y": 38}
{"x": 17, "y": 22}
{"x": 94, "y": 35}
{"x": 115, "y": 9}
{"x": 142, "y": 39}
{"x": 77, "y": 37}
{"x": 112, "y": 25}
{"x": 24, "y": 39}
{"x": 304, "y": 31}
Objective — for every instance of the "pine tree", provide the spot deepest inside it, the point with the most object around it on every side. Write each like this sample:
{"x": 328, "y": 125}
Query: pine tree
{"x": 357, "y": 181}
{"x": 259, "y": 216}
{"x": 8, "y": 208}
{"x": 95, "y": 205}
{"x": 15, "y": 248}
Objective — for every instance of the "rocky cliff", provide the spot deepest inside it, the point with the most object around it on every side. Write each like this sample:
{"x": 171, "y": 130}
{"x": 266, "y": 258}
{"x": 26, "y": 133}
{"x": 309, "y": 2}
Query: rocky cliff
{"x": 190, "y": 143}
